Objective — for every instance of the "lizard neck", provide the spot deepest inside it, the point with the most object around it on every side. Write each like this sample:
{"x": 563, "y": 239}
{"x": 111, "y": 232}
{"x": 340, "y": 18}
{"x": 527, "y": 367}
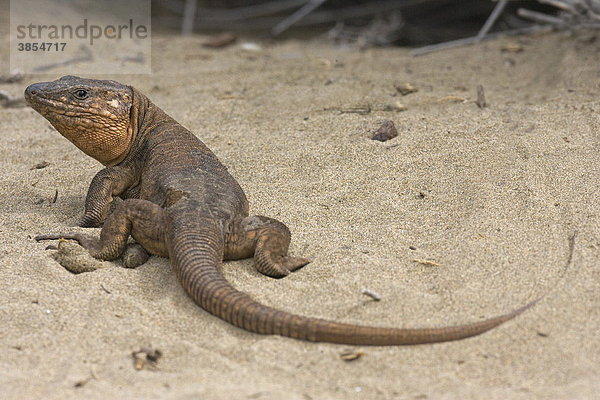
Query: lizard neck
{"x": 145, "y": 117}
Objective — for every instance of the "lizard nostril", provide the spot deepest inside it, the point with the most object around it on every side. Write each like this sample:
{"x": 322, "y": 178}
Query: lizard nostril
{"x": 30, "y": 91}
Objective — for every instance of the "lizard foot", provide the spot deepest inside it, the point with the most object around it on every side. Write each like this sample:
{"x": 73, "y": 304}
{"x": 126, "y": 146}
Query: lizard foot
{"x": 134, "y": 255}
{"x": 270, "y": 255}
{"x": 73, "y": 257}
{"x": 266, "y": 238}
{"x": 277, "y": 266}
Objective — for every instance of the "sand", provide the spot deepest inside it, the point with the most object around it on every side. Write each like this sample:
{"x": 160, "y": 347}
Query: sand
{"x": 465, "y": 215}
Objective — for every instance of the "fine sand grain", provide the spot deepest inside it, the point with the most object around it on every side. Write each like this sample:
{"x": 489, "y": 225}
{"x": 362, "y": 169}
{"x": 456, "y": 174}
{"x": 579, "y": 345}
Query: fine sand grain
{"x": 465, "y": 215}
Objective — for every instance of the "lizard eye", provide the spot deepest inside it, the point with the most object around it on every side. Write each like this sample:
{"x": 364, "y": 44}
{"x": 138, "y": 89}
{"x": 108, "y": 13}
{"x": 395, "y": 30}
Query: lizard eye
{"x": 81, "y": 94}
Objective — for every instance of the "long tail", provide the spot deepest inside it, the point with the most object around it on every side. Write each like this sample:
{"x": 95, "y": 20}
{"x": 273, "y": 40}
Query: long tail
{"x": 196, "y": 252}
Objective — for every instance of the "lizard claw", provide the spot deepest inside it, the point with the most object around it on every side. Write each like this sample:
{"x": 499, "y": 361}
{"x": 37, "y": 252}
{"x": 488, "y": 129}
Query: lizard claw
{"x": 39, "y": 238}
{"x": 294, "y": 263}
{"x": 277, "y": 267}
{"x": 83, "y": 240}
{"x": 50, "y": 236}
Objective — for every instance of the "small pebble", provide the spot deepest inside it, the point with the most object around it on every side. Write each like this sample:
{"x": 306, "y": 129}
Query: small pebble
{"x": 386, "y": 131}
{"x": 405, "y": 88}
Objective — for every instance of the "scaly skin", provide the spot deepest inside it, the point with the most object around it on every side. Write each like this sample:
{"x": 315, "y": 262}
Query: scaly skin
{"x": 180, "y": 202}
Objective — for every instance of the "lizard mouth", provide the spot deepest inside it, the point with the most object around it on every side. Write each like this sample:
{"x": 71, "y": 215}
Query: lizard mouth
{"x": 36, "y": 97}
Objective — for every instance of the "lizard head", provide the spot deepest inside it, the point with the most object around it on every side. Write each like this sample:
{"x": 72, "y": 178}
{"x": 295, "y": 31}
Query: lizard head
{"x": 95, "y": 115}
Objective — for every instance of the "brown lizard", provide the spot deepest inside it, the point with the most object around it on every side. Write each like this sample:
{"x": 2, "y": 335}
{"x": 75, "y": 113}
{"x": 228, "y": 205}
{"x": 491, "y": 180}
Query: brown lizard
{"x": 180, "y": 202}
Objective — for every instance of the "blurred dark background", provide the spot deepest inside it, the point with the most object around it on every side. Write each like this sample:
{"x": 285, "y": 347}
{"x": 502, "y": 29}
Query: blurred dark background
{"x": 400, "y": 22}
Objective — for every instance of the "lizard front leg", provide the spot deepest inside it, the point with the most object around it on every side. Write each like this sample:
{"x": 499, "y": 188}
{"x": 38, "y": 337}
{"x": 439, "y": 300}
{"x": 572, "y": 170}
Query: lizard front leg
{"x": 142, "y": 219}
{"x": 268, "y": 240}
{"x": 107, "y": 183}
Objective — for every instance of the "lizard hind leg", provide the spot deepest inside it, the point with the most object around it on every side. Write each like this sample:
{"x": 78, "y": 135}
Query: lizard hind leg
{"x": 143, "y": 220}
{"x": 268, "y": 239}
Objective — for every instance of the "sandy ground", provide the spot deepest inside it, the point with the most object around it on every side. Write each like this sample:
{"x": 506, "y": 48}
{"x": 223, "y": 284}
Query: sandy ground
{"x": 488, "y": 197}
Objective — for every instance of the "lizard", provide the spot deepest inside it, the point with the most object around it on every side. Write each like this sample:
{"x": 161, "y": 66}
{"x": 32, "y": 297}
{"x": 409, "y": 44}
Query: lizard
{"x": 180, "y": 202}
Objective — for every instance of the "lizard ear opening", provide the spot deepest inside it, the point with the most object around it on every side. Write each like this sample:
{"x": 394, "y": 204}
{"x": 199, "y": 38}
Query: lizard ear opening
{"x": 134, "y": 113}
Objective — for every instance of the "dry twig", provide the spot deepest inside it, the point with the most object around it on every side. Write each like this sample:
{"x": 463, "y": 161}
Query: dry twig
{"x": 374, "y": 295}
{"x": 572, "y": 14}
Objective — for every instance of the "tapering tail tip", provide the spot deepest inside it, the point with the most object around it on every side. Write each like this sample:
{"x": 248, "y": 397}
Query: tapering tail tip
{"x": 334, "y": 332}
